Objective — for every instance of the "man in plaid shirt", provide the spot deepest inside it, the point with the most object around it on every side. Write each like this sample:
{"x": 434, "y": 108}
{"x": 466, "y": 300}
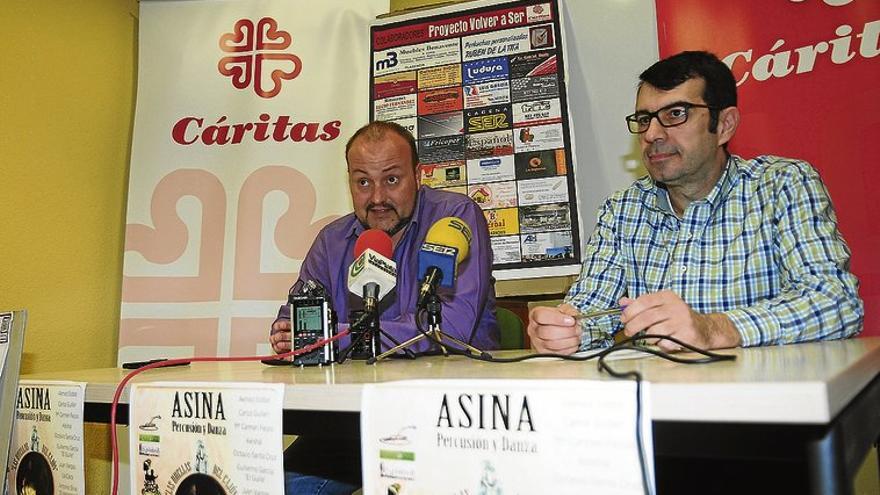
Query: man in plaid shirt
{"x": 712, "y": 249}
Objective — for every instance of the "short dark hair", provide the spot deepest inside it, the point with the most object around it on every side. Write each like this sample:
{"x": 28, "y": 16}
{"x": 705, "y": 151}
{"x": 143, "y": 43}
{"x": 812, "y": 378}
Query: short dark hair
{"x": 374, "y": 131}
{"x": 720, "y": 91}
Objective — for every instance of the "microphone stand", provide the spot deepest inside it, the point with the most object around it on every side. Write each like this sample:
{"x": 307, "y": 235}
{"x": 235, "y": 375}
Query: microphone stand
{"x": 433, "y": 308}
{"x": 368, "y": 322}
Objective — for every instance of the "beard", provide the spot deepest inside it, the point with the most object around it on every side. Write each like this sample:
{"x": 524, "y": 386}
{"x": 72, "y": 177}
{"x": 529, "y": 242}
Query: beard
{"x": 397, "y": 227}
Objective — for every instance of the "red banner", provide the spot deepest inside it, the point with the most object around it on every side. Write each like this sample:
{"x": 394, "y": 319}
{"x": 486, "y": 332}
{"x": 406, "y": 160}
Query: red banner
{"x": 808, "y": 75}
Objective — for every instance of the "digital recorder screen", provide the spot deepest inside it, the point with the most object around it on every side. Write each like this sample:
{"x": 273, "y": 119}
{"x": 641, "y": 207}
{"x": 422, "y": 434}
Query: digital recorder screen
{"x": 309, "y": 318}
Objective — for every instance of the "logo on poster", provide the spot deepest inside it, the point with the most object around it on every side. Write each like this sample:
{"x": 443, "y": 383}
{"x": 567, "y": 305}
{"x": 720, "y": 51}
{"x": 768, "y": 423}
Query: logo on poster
{"x": 251, "y": 47}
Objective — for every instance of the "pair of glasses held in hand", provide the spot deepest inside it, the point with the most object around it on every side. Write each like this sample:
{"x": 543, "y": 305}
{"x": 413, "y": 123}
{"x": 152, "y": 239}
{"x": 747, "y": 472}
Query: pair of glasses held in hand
{"x": 597, "y": 314}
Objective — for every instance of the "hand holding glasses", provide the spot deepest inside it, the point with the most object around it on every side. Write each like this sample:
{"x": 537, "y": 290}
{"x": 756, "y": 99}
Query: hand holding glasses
{"x": 602, "y": 312}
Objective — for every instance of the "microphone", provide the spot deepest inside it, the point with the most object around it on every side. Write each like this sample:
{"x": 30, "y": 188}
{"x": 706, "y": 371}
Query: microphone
{"x": 373, "y": 273}
{"x": 446, "y": 246}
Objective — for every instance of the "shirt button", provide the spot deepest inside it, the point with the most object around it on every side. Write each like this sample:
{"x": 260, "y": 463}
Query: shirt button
{"x": 684, "y": 268}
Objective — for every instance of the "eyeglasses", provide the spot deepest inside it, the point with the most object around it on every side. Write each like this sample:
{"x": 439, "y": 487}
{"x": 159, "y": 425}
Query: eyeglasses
{"x": 669, "y": 116}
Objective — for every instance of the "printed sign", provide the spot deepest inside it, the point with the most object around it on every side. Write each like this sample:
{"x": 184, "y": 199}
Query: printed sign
{"x": 222, "y": 438}
{"x": 504, "y": 221}
{"x": 416, "y": 57}
{"x": 502, "y": 86}
{"x": 489, "y": 144}
{"x": 538, "y": 218}
{"x": 5, "y": 329}
{"x": 533, "y": 65}
{"x": 434, "y": 77}
{"x": 489, "y": 69}
{"x": 534, "y": 88}
{"x": 824, "y": 52}
{"x": 505, "y": 436}
{"x": 441, "y": 124}
{"x": 490, "y": 93}
{"x": 506, "y": 250}
{"x": 547, "y": 246}
{"x": 494, "y": 118}
{"x": 401, "y": 83}
{"x": 242, "y": 115}
{"x": 491, "y": 169}
{"x": 46, "y": 452}
{"x": 445, "y": 174}
{"x": 508, "y": 42}
{"x": 537, "y": 112}
{"x": 395, "y": 107}
{"x": 538, "y": 138}
{"x": 410, "y": 124}
{"x": 531, "y": 165}
{"x": 546, "y": 190}
{"x": 494, "y": 195}
{"x": 440, "y": 101}
{"x": 442, "y": 149}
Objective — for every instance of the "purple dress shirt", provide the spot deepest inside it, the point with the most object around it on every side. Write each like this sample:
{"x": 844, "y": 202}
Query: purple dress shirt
{"x": 468, "y": 307}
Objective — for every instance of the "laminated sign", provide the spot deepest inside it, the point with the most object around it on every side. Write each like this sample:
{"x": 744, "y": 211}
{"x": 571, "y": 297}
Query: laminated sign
{"x": 485, "y": 86}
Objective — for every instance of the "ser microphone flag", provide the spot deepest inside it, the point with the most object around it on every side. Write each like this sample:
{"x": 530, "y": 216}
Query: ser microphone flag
{"x": 373, "y": 273}
{"x": 446, "y": 245}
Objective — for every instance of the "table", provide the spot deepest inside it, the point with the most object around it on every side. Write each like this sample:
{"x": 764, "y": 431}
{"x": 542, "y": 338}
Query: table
{"x": 810, "y": 412}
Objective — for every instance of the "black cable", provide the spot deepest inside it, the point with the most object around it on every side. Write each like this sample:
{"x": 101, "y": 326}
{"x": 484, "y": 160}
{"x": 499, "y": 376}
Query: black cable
{"x": 627, "y": 344}
{"x": 640, "y": 441}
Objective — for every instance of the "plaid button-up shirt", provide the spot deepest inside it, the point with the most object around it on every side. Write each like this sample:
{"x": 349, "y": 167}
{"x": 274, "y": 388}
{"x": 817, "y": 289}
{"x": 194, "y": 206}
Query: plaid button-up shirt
{"x": 763, "y": 247}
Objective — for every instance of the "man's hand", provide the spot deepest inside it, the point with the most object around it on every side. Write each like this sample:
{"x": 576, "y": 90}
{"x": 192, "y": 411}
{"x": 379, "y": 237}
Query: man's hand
{"x": 554, "y": 329}
{"x": 665, "y": 313}
{"x": 279, "y": 337}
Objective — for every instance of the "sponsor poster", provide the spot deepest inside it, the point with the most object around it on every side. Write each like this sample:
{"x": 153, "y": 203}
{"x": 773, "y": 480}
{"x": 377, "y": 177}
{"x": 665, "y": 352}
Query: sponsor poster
{"x": 546, "y": 245}
{"x": 497, "y": 436}
{"x": 444, "y": 174}
{"x": 440, "y": 101}
{"x": 490, "y": 93}
{"x": 806, "y": 75}
{"x": 237, "y": 161}
{"x": 46, "y": 452}
{"x": 494, "y": 195}
{"x": 399, "y": 83}
{"x": 218, "y": 438}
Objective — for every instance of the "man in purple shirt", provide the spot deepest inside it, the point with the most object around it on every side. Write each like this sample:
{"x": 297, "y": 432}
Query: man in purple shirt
{"x": 384, "y": 184}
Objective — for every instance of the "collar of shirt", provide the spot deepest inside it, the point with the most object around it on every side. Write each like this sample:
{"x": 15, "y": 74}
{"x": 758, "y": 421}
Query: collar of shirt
{"x": 657, "y": 198}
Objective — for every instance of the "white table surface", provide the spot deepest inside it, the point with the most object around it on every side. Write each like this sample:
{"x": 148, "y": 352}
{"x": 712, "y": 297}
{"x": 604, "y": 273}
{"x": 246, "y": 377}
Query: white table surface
{"x": 795, "y": 384}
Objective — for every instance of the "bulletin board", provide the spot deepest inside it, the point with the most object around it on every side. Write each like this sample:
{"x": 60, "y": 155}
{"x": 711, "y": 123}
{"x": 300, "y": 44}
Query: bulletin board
{"x": 482, "y": 87}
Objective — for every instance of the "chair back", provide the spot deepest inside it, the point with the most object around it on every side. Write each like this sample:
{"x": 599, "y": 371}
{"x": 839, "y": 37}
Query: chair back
{"x": 511, "y": 327}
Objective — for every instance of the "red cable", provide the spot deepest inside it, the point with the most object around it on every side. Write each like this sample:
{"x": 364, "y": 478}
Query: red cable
{"x": 171, "y": 362}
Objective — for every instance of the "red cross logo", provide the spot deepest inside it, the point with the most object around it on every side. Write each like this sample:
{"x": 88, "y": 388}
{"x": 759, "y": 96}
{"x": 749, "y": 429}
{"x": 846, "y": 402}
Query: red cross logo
{"x": 252, "y": 47}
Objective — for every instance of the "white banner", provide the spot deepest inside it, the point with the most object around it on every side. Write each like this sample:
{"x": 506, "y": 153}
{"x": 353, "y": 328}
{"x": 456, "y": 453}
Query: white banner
{"x": 209, "y": 438}
{"x": 504, "y": 436}
{"x": 237, "y": 161}
{"x": 47, "y": 445}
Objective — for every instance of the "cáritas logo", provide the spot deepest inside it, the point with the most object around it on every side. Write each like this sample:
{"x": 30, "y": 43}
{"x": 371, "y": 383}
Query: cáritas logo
{"x": 251, "y": 47}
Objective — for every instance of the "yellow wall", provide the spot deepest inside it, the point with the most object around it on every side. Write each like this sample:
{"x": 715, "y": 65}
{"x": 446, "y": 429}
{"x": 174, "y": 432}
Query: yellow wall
{"x": 66, "y": 101}
{"x": 67, "y": 79}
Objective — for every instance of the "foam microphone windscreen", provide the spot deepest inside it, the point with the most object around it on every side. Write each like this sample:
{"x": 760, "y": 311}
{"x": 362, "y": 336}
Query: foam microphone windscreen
{"x": 452, "y": 232}
{"x": 375, "y": 239}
